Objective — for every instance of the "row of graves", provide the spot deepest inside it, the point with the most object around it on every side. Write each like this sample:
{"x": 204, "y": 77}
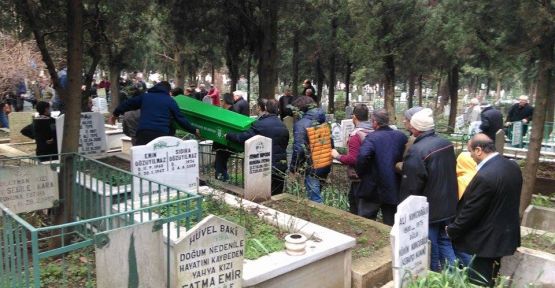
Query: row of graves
{"x": 149, "y": 223}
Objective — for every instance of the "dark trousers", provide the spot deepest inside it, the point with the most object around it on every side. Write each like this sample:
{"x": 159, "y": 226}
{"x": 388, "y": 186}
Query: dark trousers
{"x": 220, "y": 164}
{"x": 370, "y": 210}
{"x": 145, "y": 136}
{"x": 277, "y": 182}
{"x": 483, "y": 271}
{"x": 353, "y": 203}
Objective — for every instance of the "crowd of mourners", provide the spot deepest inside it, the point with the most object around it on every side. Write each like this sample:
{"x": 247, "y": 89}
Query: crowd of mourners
{"x": 473, "y": 197}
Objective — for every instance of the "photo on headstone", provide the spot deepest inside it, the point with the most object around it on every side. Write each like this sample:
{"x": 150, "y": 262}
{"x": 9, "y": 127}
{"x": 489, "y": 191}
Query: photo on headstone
{"x": 210, "y": 255}
{"x": 168, "y": 160}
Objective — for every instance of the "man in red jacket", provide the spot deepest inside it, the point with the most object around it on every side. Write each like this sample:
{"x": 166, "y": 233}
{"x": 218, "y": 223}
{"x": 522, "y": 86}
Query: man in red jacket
{"x": 362, "y": 128}
{"x": 214, "y": 94}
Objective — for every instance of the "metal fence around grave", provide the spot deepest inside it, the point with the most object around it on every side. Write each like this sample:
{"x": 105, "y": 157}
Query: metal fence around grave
{"x": 28, "y": 257}
{"x": 207, "y": 161}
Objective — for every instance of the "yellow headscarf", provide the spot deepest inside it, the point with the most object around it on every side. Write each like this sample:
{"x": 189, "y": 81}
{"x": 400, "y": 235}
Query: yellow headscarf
{"x": 466, "y": 169}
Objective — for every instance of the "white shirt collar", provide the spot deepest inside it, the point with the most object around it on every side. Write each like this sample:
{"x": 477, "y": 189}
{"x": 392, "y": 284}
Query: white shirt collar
{"x": 479, "y": 166}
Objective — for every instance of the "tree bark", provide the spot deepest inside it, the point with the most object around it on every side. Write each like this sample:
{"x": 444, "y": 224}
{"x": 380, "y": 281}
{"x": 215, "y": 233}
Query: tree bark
{"x": 179, "y": 69}
{"x": 544, "y": 90}
{"x": 498, "y": 88}
{"x": 89, "y": 75}
{"x": 331, "y": 90}
{"x": 348, "y": 82}
{"x": 420, "y": 84}
{"x": 319, "y": 79}
{"x": 412, "y": 88}
{"x": 114, "y": 88}
{"x": 267, "y": 50}
{"x": 249, "y": 60}
{"x": 295, "y": 63}
{"x": 453, "y": 82}
{"x": 389, "y": 86}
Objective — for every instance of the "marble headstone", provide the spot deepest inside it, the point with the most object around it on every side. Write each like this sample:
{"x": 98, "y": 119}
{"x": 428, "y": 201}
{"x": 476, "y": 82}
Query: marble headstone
{"x": 336, "y": 135}
{"x": 18, "y": 120}
{"x": 101, "y": 92}
{"x": 258, "y": 169}
{"x": 167, "y": 160}
{"x": 516, "y": 139}
{"x": 131, "y": 257}
{"x": 100, "y": 105}
{"x": 210, "y": 255}
{"x": 409, "y": 240}
{"x": 92, "y": 134}
{"x": 347, "y": 126}
{"x": 28, "y": 188}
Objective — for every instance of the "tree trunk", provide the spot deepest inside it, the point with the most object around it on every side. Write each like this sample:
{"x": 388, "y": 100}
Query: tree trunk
{"x": 453, "y": 82}
{"x": 420, "y": 95}
{"x": 89, "y": 75}
{"x": 438, "y": 94}
{"x": 319, "y": 79}
{"x": 295, "y": 63}
{"x": 498, "y": 88}
{"x": 249, "y": 78}
{"x": 412, "y": 88}
{"x": 268, "y": 52}
{"x": 114, "y": 88}
{"x": 488, "y": 87}
{"x": 544, "y": 90}
{"x": 389, "y": 86}
{"x": 331, "y": 90}
{"x": 348, "y": 82}
{"x": 179, "y": 69}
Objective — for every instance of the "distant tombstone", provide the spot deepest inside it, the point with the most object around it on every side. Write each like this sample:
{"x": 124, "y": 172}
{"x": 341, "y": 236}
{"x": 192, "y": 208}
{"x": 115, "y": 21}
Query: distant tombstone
{"x": 516, "y": 140}
{"x": 500, "y": 141}
{"x": 26, "y": 189}
{"x": 100, "y": 105}
{"x": 258, "y": 169}
{"x": 336, "y": 135}
{"x": 459, "y": 123}
{"x": 409, "y": 240}
{"x": 92, "y": 135}
{"x": 347, "y": 126}
{"x": 348, "y": 112}
{"x": 101, "y": 92}
{"x": 403, "y": 97}
{"x": 330, "y": 118}
{"x": 167, "y": 160}
{"x": 289, "y": 121}
{"x": 210, "y": 255}
{"x": 131, "y": 257}
{"x": 18, "y": 120}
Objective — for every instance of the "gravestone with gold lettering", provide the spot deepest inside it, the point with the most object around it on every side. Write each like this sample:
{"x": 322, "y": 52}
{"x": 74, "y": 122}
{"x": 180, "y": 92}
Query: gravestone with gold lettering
{"x": 28, "y": 188}
{"x": 210, "y": 255}
{"x": 258, "y": 169}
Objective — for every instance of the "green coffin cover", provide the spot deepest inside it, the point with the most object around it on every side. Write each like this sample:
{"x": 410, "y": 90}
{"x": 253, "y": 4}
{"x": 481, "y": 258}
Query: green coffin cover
{"x": 213, "y": 121}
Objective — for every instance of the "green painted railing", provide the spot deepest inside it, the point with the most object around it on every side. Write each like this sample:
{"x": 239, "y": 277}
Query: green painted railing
{"x": 103, "y": 201}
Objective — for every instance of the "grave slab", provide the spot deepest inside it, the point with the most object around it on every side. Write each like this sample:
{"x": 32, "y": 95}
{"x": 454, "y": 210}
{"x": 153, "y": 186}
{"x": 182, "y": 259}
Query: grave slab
{"x": 258, "y": 169}
{"x": 92, "y": 134}
{"x": 28, "y": 188}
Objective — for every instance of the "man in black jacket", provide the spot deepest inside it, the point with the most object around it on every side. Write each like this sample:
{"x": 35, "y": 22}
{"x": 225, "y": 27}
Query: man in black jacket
{"x": 269, "y": 125}
{"x": 240, "y": 105}
{"x": 284, "y": 101}
{"x": 429, "y": 170}
{"x": 43, "y": 131}
{"x": 487, "y": 223}
{"x": 492, "y": 121}
{"x": 521, "y": 111}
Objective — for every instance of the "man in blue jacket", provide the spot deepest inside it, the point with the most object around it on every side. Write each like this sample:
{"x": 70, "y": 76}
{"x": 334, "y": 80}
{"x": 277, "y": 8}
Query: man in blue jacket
{"x": 158, "y": 109}
{"x": 379, "y": 187}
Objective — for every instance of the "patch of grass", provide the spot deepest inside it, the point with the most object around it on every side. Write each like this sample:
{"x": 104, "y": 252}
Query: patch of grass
{"x": 262, "y": 238}
{"x": 74, "y": 269}
{"x": 543, "y": 201}
{"x": 542, "y": 242}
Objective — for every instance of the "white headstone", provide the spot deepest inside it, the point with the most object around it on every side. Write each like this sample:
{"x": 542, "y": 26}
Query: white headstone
{"x": 517, "y": 133}
{"x": 101, "y": 92}
{"x": 92, "y": 135}
{"x": 409, "y": 240}
{"x": 18, "y": 120}
{"x": 131, "y": 257}
{"x": 336, "y": 135}
{"x": 459, "y": 123}
{"x": 347, "y": 126}
{"x": 100, "y": 105}
{"x": 258, "y": 169}
{"x": 26, "y": 189}
{"x": 167, "y": 160}
{"x": 210, "y": 255}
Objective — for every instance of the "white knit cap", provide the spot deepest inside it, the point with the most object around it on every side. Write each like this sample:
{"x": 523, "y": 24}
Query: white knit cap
{"x": 423, "y": 120}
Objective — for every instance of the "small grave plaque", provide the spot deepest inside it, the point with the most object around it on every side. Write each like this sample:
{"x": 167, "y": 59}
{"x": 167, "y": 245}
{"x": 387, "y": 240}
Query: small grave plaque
{"x": 168, "y": 160}
{"x": 18, "y": 120}
{"x": 26, "y": 189}
{"x": 92, "y": 135}
{"x": 409, "y": 240}
{"x": 100, "y": 105}
{"x": 211, "y": 255}
{"x": 347, "y": 126}
{"x": 517, "y": 133}
{"x": 131, "y": 257}
{"x": 336, "y": 135}
{"x": 258, "y": 169}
